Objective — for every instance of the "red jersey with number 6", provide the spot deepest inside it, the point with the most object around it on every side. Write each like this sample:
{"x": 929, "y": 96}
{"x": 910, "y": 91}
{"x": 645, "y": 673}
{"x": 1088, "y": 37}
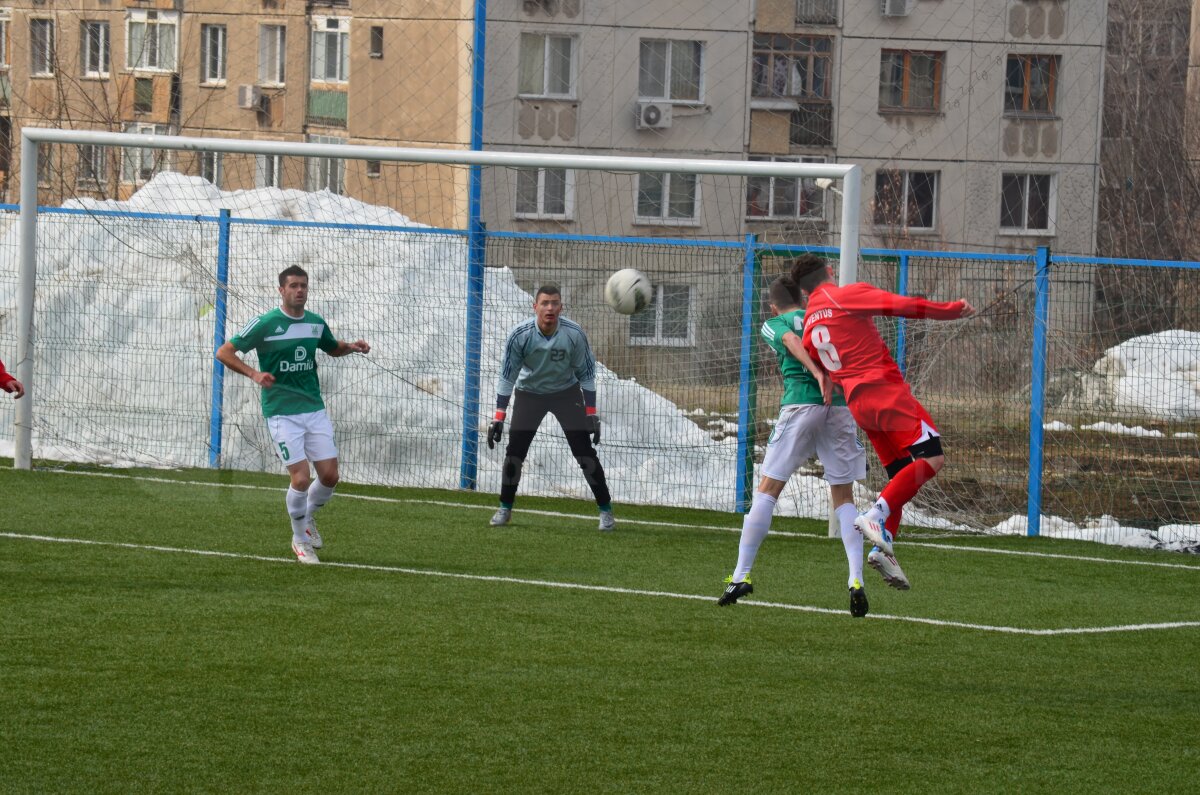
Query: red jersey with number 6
{"x": 839, "y": 332}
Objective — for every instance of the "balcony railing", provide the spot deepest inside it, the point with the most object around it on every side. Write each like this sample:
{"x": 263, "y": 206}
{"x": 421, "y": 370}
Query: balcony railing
{"x": 327, "y": 107}
{"x": 812, "y": 124}
{"x": 816, "y": 12}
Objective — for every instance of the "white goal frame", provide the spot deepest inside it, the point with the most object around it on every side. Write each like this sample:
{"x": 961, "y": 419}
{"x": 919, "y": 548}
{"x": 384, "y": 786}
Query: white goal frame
{"x": 849, "y": 175}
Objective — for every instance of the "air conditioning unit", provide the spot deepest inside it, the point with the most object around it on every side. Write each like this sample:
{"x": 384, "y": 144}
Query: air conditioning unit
{"x": 250, "y": 97}
{"x": 896, "y": 8}
{"x": 653, "y": 116}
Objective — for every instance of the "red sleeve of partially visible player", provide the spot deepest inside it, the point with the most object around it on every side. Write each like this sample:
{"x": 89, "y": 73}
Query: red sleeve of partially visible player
{"x": 5, "y": 377}
{"x": 866, "y": 299}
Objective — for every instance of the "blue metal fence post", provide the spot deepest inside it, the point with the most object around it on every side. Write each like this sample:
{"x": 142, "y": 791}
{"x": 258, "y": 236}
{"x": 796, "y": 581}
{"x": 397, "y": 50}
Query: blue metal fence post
{"x": 1037, "y": 399}
{"x": 469, "y": 468}
{"x": 218, "y": 375}
{"x": 902, "y": 289}
{"x": 747, "y": 388}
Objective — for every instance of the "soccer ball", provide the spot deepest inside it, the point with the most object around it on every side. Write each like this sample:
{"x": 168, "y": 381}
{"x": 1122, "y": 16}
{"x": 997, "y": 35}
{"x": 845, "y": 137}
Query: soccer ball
{"x": 628, "y": 291}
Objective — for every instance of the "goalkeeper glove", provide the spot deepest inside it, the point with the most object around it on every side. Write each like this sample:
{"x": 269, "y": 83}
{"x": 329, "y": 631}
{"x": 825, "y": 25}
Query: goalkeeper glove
{"x": 595, "y": 420}
{"x": 495, "y": 432}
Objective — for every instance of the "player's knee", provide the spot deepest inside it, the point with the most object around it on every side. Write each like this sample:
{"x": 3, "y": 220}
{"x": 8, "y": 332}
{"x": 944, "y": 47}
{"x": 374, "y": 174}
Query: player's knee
{"x": 301, "y": 482}
{"x": 937, "y": 462}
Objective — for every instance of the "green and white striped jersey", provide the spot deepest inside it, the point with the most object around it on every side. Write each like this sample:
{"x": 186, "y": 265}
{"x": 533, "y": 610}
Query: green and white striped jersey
{"x": 286, "y": 348}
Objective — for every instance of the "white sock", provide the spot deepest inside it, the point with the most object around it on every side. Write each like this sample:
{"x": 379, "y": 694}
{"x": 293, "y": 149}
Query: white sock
{"x": 297, "y": 508}
{"x": 852, "y": 540}
{"x": 755, "y": 527}
{"x": 318, "y": 495}
{"x": 880, "y": 511}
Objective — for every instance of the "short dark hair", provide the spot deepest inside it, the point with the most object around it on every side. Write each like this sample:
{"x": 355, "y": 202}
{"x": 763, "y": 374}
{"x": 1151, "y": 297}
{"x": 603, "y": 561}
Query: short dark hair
{"x": 808, "y": 271}
{"x": 291, "y": 270}
{"x": 549, "y": 288}
{"x": 783, "y": 291}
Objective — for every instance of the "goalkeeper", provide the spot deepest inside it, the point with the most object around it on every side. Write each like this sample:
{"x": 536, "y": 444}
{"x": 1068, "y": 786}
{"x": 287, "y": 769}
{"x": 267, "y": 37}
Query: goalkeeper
{"x": 810, "y": 421}
{"x": 286, "y": 341}
{"x": 548, "y": 368}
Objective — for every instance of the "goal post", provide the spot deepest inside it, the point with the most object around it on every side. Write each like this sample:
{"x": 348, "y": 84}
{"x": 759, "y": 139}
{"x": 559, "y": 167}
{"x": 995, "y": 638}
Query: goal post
{"x": 544, "y": 247}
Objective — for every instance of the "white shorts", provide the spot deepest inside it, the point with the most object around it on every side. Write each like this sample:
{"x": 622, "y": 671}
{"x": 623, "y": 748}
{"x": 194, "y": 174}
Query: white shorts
{"x": 828, "y": 432}
{"x": 302, "y": 436}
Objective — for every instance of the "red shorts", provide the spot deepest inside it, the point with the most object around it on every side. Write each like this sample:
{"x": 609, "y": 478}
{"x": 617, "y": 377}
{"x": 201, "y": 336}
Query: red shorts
{"x": 891, "y": 418}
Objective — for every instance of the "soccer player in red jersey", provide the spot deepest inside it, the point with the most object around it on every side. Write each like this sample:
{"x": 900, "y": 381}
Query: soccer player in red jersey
{"x": 839, "y": 333}
{"x": 10, "y": 384}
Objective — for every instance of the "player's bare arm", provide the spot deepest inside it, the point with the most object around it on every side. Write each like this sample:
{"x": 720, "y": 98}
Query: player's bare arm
{"x": 344, "y": 348}
{"x": 792, "y": 342}
{"x": 227, "y": 355}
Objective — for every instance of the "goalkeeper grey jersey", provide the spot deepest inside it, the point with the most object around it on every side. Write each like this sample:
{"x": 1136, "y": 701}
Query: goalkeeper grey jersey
{"x": 534, "y": 362}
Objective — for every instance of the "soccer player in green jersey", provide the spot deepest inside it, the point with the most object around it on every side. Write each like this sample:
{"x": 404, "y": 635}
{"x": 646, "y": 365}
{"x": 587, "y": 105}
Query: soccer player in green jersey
{"x": 548, "y": 368}
{"x": 286, "y": 341}
{"x": 811, "y": 420}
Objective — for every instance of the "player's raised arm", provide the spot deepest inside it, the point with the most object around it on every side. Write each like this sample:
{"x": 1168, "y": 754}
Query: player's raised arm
{"x": 866, "y": 299}
{"x": 345, "y": 348}
{"x": 10, "y": 384}
{"x": 227, "y": 355}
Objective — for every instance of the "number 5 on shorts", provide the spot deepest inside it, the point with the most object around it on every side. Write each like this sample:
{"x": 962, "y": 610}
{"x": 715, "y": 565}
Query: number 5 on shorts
{"x": 283, "y": 451}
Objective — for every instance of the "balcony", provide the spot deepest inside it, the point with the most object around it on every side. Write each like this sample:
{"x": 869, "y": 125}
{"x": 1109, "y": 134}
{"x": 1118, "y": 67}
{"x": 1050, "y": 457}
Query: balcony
{"x": 812, "y": 124}
{"x": 816, "y": 12}
{"x": 5, "y": 91}
{"x": 328, "y": 108}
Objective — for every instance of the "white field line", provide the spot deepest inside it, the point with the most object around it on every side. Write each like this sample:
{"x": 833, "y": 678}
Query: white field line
{"x": 602, "y": 588}
{"x": 645, "y": 522}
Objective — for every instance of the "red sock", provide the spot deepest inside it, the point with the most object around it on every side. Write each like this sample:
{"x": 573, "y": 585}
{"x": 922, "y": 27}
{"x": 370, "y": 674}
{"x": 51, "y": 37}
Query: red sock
{"x": 905, "y": 486}
{"x": 892, "y": 523}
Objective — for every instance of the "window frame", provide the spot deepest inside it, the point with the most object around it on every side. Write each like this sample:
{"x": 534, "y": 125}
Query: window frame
{"x": 212, "y": 167}
{"x": 906, "y": 180}
{"x": 315, "y": 168}
{"x": 5, "y": 30}
{"x": 1027, "y": 61}
{"x": 157, "y": 20}
{"x": 160, "y": 159}
{"x": 272, "y": 74}
{"x": 48, "y": 50}
{"x": 93, "y": 155}
{"x": 773, "y": 54}
{"x": 104, "y": 42}
{"x": 221, "y": 34}
{"x": 772, "y": 217}
{"x": 540, "y": 213}
{"x": 547, "y": 62}
{"x": 662, "y": 219}
{"x": 375, "y": 47}
{"x": 668, "y": 62}
{"x": 1051, "y": 204}
{"x": 939, "y": 61}
{"x": 276, "y": 171}
{"x": 321, "y": 28}
{"x": 656, "y": 305}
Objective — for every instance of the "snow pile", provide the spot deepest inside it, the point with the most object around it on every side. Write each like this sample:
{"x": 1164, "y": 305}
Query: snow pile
{"x": 1155, "y": 375}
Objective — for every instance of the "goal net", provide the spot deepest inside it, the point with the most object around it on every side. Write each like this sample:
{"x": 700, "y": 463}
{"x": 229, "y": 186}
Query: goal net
{"x": 158, "y": 248}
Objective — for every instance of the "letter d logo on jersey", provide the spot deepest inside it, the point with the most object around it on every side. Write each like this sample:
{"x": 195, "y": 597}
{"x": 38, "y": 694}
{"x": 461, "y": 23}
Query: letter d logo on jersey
{"x": 301, "y": 354}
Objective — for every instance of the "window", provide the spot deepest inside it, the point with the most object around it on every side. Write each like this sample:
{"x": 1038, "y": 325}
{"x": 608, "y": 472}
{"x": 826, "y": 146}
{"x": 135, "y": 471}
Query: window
{"x": 1026, "y": 202}
{"x": 212, "y": 53}
{"x": 669, "y": 198}
{"x": 5, "y": 19}
{"x": 331, "y": 50}
{"x": 143, "y": 95}
{"x": 784, "y": 198}
{"x": 667, "y": 321}
{"x": 211, "y": 167}
{"x": 376, "y": 41}
{"x": 139, "y": 166}
{"x": 547, "y": 66}
{"x": 151, "y": 40}
{"x": 268, "y": 171}
{"x": 272, "y": 54}
{"x": 45, "y": 163}
{"x": 1029, "y": 83}
{"x": 792, "y": 66}
{"x": 910, "y": 80}
{"x": 94, "y": 48}
{"x": 906, "y": 199}
{"x": 92, "y": 170}
{"x": 41, "y": 46}
{"x": 326, "y": 173}
{"x": 670, "y": 70}
{"x": 374, "y": 168}
{"x": 816, "y": 12}
{"x": 545, "y": 193}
